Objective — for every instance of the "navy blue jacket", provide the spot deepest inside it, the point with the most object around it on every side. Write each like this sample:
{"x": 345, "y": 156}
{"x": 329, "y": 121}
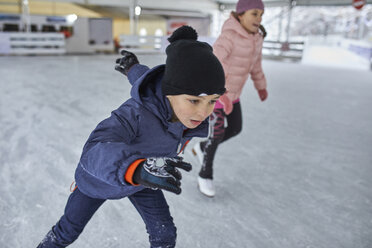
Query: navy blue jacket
{"x": 140, "y": 128}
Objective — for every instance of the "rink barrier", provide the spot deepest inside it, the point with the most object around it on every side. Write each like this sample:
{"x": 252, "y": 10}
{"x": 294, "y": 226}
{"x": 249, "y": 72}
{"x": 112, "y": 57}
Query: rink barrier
{"x": 363, "y": 51}
{"x": 144, "y": 43}
{"x": 151, "y": 43}
{"x": 280, "y": 49}
{"x": 277, "y": 49}
{"x": 361, "y": 48}
{"x": 22, "y": 43}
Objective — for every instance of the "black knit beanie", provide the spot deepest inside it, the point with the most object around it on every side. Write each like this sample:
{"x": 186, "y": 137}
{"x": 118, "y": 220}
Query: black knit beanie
{"x": 191, "y": 67}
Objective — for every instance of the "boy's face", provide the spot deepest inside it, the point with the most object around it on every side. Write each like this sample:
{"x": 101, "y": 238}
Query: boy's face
{"x": 192, "y": 110}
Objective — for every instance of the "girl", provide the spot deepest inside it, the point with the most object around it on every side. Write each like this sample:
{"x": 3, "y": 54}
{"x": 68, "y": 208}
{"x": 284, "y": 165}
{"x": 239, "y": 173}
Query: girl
{"x": 133, "y": 153}
{"x": 239, "y": 49}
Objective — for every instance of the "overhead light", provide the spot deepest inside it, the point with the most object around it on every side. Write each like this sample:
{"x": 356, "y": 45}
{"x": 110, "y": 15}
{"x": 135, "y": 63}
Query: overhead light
{"x": 71, "y": 18}
{"x": 137, "y": 10}
{"x": 143, "y": 32}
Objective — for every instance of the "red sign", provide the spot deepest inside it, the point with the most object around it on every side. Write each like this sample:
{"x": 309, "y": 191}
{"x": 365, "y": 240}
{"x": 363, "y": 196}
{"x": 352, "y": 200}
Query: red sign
{"x": 358, "y": 4}
{"x": 174, "y": 25}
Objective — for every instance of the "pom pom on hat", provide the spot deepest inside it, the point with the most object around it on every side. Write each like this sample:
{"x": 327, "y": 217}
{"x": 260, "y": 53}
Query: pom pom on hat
{"x": 183, "y": 33}
{"x": 191, "y": 67}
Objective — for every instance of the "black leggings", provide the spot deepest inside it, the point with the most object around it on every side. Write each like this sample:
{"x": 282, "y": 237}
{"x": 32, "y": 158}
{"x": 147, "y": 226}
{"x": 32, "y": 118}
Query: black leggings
{"x": 218, "y": 135}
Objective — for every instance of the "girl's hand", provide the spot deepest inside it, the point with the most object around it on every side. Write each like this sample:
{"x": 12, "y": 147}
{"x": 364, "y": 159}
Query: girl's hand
{"x": 262, "y": 94}
{"x": 227, "y": 104}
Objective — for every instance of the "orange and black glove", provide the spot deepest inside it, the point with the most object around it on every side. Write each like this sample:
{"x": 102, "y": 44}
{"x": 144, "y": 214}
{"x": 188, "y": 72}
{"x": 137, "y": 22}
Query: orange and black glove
{"x": 159, "y": 173}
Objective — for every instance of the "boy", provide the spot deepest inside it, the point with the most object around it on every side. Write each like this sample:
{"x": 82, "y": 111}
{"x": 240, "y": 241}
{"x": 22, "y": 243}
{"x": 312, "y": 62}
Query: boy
{"x": 133, "y": 153}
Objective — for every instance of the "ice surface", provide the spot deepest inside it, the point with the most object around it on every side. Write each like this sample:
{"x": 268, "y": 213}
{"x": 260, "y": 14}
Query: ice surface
{"x": 334, "y": 57}
{"x": 299, "y": 174}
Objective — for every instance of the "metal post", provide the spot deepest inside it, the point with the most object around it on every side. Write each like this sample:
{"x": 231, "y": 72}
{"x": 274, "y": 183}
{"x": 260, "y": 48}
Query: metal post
{"x": 280, "y": 25}
{"x": 131, "y": 16}
{"x": 20, "y": 6}
{"x": 133, "y": 19}
{"x": 292, "y": 3}
{"x": 361, "y": 25}
{"x": 25, "y": 17}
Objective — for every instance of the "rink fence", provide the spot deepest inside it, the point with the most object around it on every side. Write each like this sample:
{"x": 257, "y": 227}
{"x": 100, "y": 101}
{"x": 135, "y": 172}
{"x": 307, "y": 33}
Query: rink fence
{"x": 22, "y": 43}
{"x": 150, "y": 44}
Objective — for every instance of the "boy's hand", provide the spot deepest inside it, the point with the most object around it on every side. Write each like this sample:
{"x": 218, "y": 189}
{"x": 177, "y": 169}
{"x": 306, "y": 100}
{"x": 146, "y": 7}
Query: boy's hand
{"x": 262, "y": 94}
{"x": 126, "y": 62}
{"x": 161, "y": 173}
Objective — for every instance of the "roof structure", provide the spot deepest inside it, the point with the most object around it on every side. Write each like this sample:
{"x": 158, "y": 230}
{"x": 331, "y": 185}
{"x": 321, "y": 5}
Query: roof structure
{"x": 189, "y": 8}
{"x": 201, "y": 5}
{"x": 299, "y": 2}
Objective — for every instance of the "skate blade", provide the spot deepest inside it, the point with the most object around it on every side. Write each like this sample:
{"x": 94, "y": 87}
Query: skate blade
{"x": 209, "y": 196}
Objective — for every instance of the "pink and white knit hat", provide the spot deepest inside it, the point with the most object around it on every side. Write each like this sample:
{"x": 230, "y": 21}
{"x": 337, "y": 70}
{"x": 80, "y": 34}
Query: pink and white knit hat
{"x": 244, "y": 5}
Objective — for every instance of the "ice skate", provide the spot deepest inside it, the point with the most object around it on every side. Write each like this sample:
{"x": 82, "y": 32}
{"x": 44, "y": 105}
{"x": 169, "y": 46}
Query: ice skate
{"x": 206, "y": 186}
{"x": 50, "y": 240}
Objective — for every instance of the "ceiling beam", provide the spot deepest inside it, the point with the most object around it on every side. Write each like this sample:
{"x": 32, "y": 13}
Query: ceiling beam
{"x": 206, "y": 6}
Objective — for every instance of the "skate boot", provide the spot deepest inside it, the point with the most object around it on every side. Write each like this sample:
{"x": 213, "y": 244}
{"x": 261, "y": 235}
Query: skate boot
{"x": 198, "y": 153}
{"x": 49, "y": 241}
{"x": 206, "y": 186}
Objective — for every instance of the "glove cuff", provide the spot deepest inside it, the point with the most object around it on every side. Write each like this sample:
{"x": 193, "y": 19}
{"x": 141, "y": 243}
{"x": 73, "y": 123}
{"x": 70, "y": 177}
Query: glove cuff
{"x": 130, "y": 171}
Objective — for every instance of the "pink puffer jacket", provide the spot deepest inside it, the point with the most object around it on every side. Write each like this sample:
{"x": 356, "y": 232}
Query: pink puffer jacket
{"x": 240, "y": 54}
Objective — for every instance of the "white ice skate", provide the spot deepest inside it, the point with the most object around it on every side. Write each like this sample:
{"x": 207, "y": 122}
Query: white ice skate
{"x": 206, "y": 186}
{"x": 197, "y": 152}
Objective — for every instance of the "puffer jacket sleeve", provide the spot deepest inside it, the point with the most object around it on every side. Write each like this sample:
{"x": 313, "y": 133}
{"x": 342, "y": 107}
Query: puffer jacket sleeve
{"x": 257, "y": 74}
{"x": 222, "y": 48}
{"x": 105, "y": 155}
{"x": 136, "y": 72}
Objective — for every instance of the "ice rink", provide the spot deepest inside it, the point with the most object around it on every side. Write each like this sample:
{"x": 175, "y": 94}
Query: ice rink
{"x": 298, "y": 176}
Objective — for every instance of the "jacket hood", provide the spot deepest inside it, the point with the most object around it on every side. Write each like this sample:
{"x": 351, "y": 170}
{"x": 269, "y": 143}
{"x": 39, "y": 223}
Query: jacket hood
{"x": 147, "y": 91}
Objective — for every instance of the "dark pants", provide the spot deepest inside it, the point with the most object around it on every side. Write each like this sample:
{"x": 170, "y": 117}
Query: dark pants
{"x": 219, "y": 134}
{"x": 151, "y": 205}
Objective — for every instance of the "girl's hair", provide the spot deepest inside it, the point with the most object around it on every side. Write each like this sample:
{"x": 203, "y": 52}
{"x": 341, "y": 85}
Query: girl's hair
{"x": 234, "y": 14}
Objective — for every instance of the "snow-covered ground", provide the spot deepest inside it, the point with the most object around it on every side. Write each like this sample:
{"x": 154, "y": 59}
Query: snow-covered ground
{"x": 298, "y": 176}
